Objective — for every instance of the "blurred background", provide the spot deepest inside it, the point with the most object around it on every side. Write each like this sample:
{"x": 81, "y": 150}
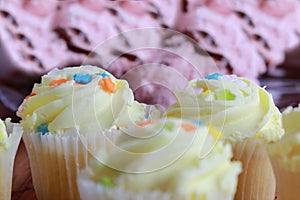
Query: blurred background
{"x": 257, "y": 39}
{"x": 254, "y": 39}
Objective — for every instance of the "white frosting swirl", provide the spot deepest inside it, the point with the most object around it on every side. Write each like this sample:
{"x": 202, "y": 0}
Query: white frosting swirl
{"x": 238, "y": 107}
{"x": 86, "y": 98}
{"x": 170, "y": 158}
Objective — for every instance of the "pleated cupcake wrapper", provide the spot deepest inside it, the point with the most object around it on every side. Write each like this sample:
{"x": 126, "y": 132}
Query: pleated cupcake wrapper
{"x": 288, "y": 181}
{"x": 257, "y": 180}
{"x": 7, "y": 158}
{"x": 90, "y": 190}
{"x": 56, "y": 160}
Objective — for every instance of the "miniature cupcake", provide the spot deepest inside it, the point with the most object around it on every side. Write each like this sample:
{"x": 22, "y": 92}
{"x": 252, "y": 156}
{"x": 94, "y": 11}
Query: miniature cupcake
{"x": 8, "y": 147}
{"x": 248, "y": 118}
{"x": 285, "y": 156}
{"x": 163, "y": 159}
{"x": 63, "y": 120}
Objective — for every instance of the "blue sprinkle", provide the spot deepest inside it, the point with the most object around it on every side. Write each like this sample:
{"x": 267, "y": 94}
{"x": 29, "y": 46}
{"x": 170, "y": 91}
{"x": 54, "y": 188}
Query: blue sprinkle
{"x": 214, "y": 76}
{"x": 82, "y": 78}
{"x": 103, "y": 75}
{"x": 43, "y": 128}
{"x": 199, "y": 123}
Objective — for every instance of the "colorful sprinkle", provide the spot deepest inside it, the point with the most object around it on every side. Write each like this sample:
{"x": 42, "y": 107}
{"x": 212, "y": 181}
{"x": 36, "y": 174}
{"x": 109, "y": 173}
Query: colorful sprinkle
{"x": 198, "y": 123}
{"x": 168, "y": 126}
{"x": 224, "y": 95}
{"x": 188, "y": 127}
{"x": 103, "y": 75}
{"x": 107, "y": 181}
{"x": 58, "y": 82}
{"x": 107, "y": 85}
{"x": 214, "y": 76}
{"x": 82, "y": 78}
{"x": 214, "y": 132}
{"x": 30, "y": 95}
{"x": 145, "y": 123}
{"x": 205, "y": 92}
{"x": 43, "y": 128}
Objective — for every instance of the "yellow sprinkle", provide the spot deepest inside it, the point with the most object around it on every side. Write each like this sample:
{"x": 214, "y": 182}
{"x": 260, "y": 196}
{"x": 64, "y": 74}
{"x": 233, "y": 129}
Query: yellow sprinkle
{"x": 205, "y": 92}
{"x": 214, "y": 132}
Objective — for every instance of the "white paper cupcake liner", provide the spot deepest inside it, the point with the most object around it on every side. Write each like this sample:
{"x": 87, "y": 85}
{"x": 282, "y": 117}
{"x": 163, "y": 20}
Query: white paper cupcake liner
{"x": 7, "y": 158}
{"x": 257, "y": 181}
{"x": 56, "y": 160}
{"x": 288, "y": 181}
{"x": 285, "y": 156}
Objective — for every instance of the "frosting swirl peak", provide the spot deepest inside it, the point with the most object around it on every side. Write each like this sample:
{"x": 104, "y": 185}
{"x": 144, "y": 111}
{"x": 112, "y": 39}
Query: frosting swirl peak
{"x": 236, "y": 106}
{"x": 185, "y": 162}
{"x": 86, "y": 98}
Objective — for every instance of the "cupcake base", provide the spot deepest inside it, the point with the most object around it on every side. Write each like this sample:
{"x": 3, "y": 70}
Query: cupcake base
{"x": 7, "y": 158}
{"x": 288, "y": 181}
{"x": 257, "y": 181}
{"x": 56, "y": 160}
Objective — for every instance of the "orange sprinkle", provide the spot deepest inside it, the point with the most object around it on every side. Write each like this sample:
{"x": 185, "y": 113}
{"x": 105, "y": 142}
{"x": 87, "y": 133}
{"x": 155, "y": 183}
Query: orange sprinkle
{"x": 107, "y": 85}
{"x": 30, "y": 95}
{"x": 145, "y": 123}
{"x": 188, "y": 127}
{"x": 58, "y": 82}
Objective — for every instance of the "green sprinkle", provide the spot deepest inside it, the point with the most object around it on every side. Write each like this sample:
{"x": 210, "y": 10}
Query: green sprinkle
{"x": 224, "y": 95}
{"x": 168, "y": 127}
{"x": 107, "y": 181}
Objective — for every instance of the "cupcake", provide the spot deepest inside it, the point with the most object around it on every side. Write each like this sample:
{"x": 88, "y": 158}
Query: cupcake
{"x": 163, "y": 159}
{"x": 64, "y": 119}
{"x": 285, "y": 156}
{"x": 248, "y": 118}
{"x": 10, "y": 136}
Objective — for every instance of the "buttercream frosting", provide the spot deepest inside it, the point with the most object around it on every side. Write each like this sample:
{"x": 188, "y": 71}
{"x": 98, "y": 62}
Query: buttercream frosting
{"x": 287, "y": 150}
{"x": 236, "y": 106}
{"x": 173, "y": 156}
{"x": 87, "y": 98}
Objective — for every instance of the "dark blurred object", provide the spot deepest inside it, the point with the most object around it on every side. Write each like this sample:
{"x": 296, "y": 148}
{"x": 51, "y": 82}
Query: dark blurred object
{"x": 22, "y": 187}
{"x": 5, "y": 110}
{"x": 283, "y": 82}
{"x": 12, "y": 97}
{"x": 14, "y": 87}
{"x": 22, "y": 182}
{"x": 292, "y": 60}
